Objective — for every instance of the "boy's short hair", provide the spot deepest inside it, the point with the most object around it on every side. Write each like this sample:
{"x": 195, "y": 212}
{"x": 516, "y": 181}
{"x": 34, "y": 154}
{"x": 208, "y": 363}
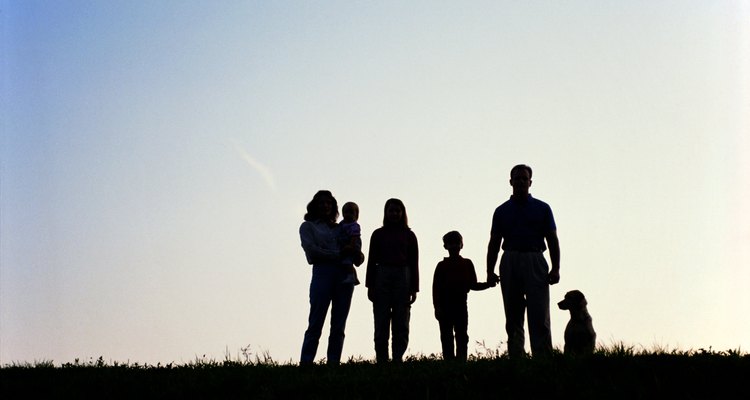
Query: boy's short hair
{"x": 452, "y": 237}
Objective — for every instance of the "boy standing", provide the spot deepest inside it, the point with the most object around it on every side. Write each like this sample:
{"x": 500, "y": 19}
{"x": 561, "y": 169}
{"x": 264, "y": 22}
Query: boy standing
{"x": 454, "y": 277}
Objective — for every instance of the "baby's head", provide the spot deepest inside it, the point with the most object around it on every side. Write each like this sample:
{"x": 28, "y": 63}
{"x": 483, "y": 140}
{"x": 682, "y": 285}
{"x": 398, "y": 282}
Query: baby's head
{"x": 350, "y": 211}
{"x": 453, "y": 241}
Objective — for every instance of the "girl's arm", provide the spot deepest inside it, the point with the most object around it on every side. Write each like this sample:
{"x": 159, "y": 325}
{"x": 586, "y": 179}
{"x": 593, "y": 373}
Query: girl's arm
{"x": 413, "y": 254}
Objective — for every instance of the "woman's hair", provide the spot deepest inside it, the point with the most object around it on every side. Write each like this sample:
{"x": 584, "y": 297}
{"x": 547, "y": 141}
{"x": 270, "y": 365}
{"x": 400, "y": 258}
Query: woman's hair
{"x": 404, "y": 219}
{"x": 313, "y": 211}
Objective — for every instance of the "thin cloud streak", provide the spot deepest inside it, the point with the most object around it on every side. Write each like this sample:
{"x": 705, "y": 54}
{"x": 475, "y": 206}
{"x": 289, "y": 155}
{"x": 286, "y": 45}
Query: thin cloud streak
{"x": 260, "y": 168}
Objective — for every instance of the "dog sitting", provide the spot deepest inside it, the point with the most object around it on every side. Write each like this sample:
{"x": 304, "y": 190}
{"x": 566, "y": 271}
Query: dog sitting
{"x": 580, "y": 338}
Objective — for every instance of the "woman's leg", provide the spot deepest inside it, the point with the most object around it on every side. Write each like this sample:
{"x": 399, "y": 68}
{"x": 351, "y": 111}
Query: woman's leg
{"x": 342, "y": 300}
{"x": 320, "y": 299}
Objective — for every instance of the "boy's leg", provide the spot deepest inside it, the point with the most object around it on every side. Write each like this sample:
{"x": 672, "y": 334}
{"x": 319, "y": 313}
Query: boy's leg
{"x": 446, "y": 337}
{"x": 462, "y": 335}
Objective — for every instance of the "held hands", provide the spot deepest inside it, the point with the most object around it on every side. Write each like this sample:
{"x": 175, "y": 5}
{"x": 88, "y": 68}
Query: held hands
{"x": 492, "y": 279}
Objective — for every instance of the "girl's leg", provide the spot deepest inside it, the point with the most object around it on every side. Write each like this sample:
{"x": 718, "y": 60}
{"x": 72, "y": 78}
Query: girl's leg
{"x": 382, "y": 316}
{"x": 401, "y": 316}
{"x": 399, "y": 298}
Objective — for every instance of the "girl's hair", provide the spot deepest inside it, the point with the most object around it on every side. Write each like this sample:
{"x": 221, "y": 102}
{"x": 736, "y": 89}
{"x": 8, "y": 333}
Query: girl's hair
{"x": 313, "y": 211}
{"x": 404, "y": 223}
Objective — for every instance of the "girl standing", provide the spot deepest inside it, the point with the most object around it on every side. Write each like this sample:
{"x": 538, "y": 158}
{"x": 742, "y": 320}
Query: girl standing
{"x": 392, "y": 280}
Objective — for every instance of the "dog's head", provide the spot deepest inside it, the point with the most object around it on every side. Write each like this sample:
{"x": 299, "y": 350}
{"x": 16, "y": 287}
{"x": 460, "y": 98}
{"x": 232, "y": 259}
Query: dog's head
{"x": 573, "y": 300}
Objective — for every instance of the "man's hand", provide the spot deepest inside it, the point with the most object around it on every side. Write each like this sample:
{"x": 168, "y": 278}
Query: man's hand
{"x": 412, "y": 298}
{"x": 553, "y": 277}
{"x": 438, "y": 314}
{"x": 370, "y": 295}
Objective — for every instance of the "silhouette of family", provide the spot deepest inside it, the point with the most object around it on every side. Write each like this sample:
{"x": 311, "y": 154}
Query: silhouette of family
{"x": 523, "y": 227}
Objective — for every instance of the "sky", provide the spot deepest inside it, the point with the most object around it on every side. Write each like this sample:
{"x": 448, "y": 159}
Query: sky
{"x": 157, "y": 158}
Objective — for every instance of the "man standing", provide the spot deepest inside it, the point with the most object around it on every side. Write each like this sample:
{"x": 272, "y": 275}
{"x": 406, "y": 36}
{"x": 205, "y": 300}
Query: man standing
{"x": 521, "y": 225}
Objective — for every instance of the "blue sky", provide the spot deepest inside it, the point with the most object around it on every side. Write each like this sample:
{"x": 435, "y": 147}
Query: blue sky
{"x": 157, "y": 159}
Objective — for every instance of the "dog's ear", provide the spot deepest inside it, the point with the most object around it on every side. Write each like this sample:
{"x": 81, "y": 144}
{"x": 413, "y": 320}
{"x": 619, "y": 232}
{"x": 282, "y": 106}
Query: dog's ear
{"x": 582, "y": 302}
{"x": 577, "y": 297}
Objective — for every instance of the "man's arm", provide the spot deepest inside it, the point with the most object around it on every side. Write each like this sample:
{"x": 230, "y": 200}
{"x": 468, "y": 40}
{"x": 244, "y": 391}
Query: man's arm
{"x": 553, "y": 244}
{"x": 493, "y": 249}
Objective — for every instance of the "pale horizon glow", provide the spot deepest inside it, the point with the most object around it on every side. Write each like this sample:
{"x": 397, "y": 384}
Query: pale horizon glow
{"x": 157, "y": 158}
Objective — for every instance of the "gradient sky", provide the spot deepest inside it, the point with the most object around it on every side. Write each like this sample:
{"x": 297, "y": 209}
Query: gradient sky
{"x": 157, "y": 158}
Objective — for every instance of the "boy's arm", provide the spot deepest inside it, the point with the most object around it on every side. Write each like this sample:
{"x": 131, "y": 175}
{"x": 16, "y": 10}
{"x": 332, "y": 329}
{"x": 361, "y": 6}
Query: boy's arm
{"x": 482, "y": 285}
{"x": 474, "y": 285}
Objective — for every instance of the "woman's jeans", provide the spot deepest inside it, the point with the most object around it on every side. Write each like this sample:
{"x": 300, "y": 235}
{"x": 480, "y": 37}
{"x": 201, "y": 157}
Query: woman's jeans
{"x": 327, "y": 288}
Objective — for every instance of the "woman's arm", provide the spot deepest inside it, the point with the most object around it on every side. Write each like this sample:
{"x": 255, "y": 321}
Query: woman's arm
{"x": 311, "y": 243}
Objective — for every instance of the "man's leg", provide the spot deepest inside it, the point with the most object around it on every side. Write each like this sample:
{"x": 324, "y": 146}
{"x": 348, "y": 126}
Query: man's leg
{"x": 514, "y": 303}
{"x": 537, "y": 298}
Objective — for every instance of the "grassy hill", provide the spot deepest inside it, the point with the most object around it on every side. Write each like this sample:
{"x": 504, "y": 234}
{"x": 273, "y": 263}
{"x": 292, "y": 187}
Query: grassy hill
{"x": 618, "y": 373}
